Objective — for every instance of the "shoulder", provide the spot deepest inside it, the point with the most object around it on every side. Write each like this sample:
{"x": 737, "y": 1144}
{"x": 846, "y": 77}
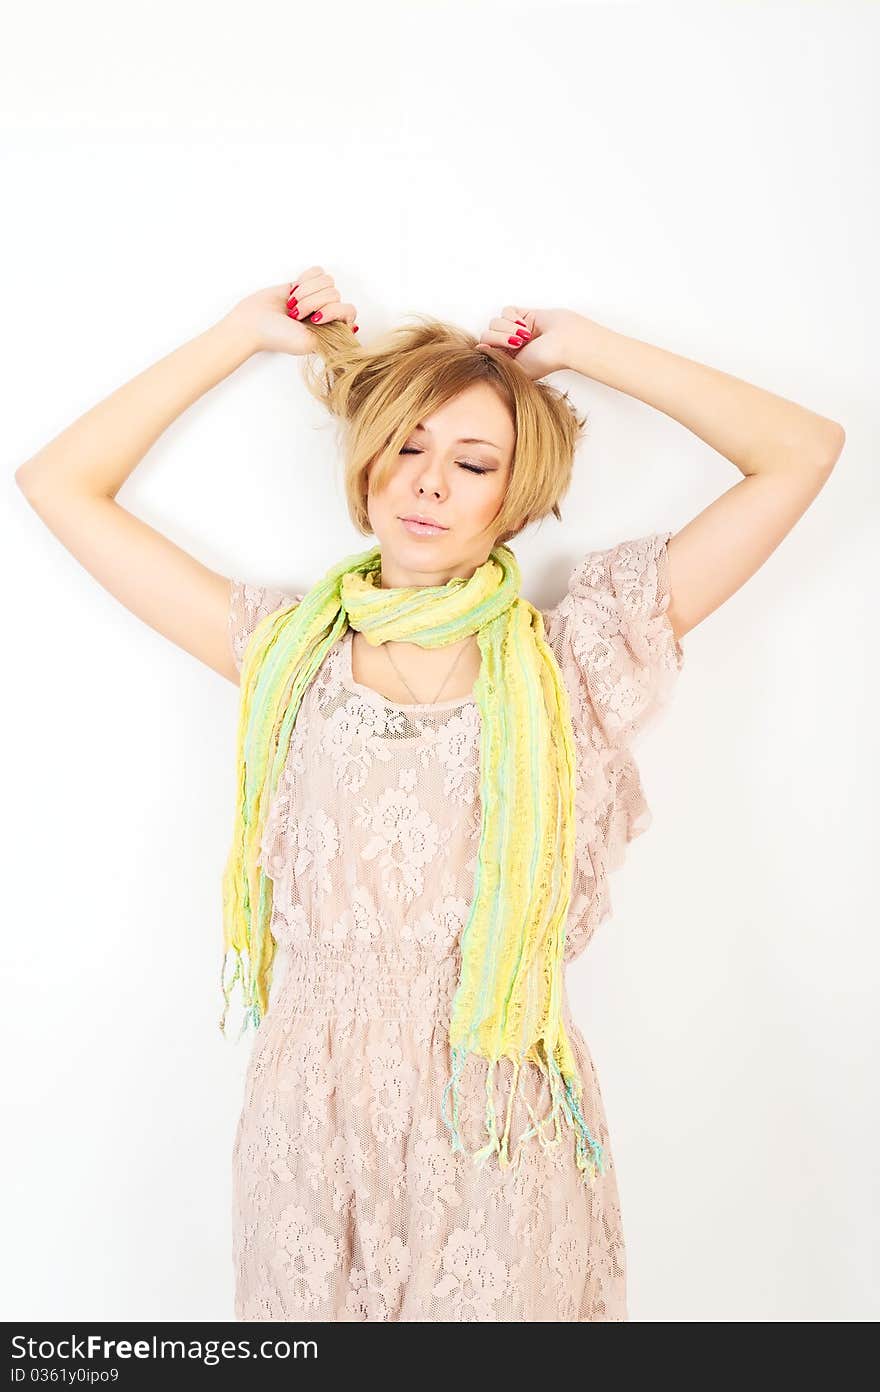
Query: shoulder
{"x": 612, "y": 635}
{"x": 249, "y": 603}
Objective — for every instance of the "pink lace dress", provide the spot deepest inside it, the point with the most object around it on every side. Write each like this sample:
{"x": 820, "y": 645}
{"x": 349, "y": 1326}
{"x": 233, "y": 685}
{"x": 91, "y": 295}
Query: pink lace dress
{"x": 348, "y": 1201}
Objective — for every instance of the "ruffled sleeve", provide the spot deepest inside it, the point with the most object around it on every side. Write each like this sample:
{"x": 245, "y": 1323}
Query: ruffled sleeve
{"x": 619, "y": 658}
{"x": 619, "y": 634}
{"x": 248, "y": 604}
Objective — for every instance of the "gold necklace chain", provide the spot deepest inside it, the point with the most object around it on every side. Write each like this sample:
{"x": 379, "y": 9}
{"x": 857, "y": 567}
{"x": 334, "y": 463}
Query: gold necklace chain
{"x": 407, "y": 685}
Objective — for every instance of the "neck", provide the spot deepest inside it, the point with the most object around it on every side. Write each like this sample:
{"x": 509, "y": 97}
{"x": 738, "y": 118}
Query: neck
{"x": 393, "y": 576}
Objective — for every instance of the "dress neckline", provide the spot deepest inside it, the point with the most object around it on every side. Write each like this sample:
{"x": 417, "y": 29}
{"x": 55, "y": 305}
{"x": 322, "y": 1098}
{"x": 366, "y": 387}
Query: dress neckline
{"x": 349, "y": 681}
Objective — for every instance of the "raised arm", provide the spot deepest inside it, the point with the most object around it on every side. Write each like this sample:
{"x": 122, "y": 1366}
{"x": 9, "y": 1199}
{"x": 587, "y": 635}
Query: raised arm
{"x": 72, "y": 481}
{"x": 785, "y": 451}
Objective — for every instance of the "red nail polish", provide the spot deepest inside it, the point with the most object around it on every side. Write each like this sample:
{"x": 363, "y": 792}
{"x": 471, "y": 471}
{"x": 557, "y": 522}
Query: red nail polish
{"x": 292, "y": 301}
{"x": 520, "y": 321}
{"x": 356, "y": 328}
{"x": 316, "y": 317}
{"x": 294, "y": 313}
{"x": 524, "y": 333}
{"x": 517, "y": 342}
{"x": 297, "y": 283}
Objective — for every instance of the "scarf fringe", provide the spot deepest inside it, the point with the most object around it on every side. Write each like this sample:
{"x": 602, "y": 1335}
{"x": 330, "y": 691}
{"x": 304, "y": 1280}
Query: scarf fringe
{"x": 252, "y": 1014}
{"x": 565, "y": 1096}
{"x": 565, "y": 1105}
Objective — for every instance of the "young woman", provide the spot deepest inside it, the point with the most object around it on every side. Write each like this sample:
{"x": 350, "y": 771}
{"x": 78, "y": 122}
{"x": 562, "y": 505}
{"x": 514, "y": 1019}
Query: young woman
{"x": 434, "y": 781}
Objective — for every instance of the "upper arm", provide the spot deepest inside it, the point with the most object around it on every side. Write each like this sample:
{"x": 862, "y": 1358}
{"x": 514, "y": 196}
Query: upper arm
{"x": 161, "y": 583}
{"x": 724, "y": 545}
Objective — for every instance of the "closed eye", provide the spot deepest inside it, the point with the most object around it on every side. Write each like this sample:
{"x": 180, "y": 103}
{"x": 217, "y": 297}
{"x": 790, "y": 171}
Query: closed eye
{"x": 471, "y": 468}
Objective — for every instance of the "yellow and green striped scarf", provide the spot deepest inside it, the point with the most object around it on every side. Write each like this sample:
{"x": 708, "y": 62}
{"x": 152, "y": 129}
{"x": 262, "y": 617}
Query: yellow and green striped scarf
{"x": 508, "y": 999}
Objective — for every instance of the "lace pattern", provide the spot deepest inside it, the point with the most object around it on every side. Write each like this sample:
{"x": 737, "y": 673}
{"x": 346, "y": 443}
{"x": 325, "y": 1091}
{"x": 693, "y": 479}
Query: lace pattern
{"x": 348, "y": 1202}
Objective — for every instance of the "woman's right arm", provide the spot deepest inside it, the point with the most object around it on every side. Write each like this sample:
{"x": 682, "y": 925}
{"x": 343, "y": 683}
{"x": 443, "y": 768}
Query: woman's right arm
{"x": 72, "y": 481}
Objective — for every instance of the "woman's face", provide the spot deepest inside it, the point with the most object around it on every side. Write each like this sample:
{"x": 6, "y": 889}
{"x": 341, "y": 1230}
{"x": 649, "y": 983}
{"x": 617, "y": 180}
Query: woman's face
{"x": 437, "y": 477}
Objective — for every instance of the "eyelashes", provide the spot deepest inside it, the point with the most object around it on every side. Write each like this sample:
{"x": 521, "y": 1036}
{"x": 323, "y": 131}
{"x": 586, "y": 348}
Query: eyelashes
{"x": 471, "y": 468}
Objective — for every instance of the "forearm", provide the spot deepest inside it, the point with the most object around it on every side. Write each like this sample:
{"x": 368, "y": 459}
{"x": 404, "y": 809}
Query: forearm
{"x": 753, "y": 428}
{"x": 96, "y": 454}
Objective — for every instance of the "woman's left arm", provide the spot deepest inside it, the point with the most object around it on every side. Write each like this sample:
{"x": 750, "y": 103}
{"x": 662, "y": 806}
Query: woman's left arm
{"x": 785, "y": 451}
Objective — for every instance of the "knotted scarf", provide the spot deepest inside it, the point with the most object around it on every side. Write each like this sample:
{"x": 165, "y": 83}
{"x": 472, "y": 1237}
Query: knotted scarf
{"x": 508, "y": 999}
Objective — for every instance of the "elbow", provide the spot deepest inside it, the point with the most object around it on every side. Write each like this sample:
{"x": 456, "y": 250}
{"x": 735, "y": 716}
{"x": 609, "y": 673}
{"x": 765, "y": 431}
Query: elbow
{"x": 831, "y": 445}
{"x": 24, "y": 477}
{"x": 815, "y": 451}
{"x": 39, "y": 495}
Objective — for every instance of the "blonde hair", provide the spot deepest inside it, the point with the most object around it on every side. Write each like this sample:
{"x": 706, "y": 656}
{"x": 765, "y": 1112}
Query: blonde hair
{"x": 379, "y": 392}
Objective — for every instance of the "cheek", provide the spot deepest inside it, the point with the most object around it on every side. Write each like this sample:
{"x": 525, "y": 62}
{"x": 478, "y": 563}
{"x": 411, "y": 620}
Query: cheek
{"x": 492, "y": 503}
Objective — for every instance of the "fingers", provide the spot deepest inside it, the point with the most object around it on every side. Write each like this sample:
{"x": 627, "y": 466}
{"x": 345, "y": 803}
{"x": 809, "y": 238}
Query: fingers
{"x": 315, "y": 297}
{"x": 311, "y": 293}
{"x": 319, "y": 305}
{"x": 509, "y": 330}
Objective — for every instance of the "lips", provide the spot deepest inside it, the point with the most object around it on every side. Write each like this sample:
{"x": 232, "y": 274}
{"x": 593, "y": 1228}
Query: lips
{"x": 418, "y": 528}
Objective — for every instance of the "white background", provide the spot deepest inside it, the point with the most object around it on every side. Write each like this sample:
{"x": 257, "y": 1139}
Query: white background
{"x": 702, "y": 177}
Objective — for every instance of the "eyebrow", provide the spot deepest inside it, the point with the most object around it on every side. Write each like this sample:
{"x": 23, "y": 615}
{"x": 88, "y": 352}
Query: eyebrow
{"x": 464, "y": 439}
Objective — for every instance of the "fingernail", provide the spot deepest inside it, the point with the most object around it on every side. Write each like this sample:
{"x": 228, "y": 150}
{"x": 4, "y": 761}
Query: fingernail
{"x": 295, "y": 287}
{"x": 316, "y": 317}
{"x": 520, "y": 321}
{"x": 294, "y": 313}
{"x": 525, "y": 334}
{"x": 517, "y": 342}
{"x": 292, "y": 300}
{"x": 356, "y": 328}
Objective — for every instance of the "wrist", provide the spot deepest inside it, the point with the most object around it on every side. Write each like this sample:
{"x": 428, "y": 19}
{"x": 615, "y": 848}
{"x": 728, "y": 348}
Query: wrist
{"x": 588, "y": 345}
{"x": 235, "y": 338}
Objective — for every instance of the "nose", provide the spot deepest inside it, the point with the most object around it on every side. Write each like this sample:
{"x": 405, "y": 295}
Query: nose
{"x": 431, "y": 480}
